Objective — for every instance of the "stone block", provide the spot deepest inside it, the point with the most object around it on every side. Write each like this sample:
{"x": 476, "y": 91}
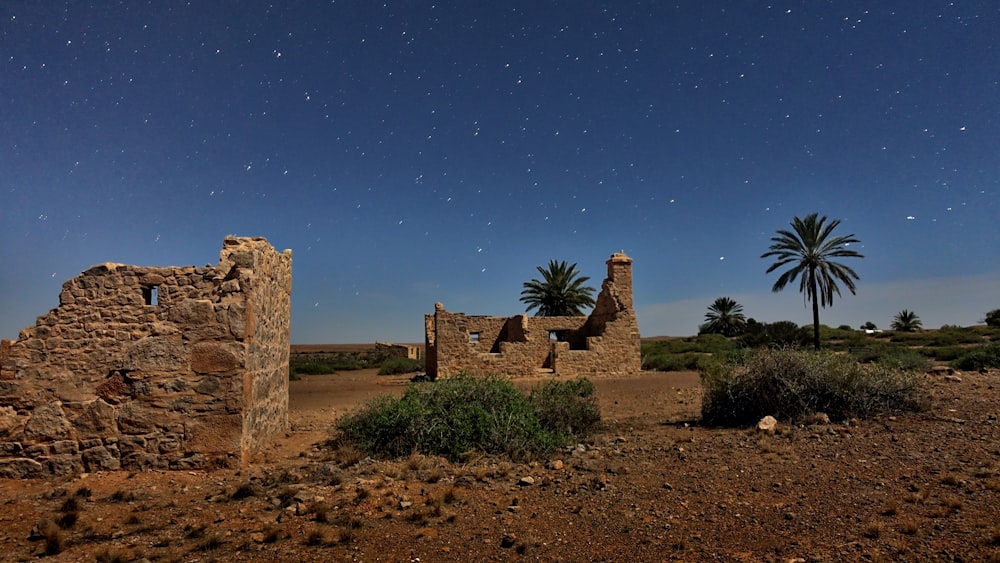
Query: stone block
{"x": 155, "y": 354}
{"x": 64, "y": 464}
{"x": 192, "y": 312}
{"x": 213, "y": 433}
{"x": 47, "y": 423}
{"x": 212, "y": 357}
{"x": 65, "y": 447}
{"x": 96, "y": 419}
{"x": 100, "y": 459}
{"x": 21, "y": 468}
{"x": 134, "y": 419}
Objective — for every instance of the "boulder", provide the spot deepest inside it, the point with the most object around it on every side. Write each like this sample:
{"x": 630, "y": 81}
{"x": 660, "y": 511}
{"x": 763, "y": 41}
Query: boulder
{"x": 768, "y": 424}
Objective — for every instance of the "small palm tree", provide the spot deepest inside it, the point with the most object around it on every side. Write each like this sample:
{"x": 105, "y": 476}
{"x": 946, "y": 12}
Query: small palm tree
{"x": 809, "y": 249}
{"x": 560, "y": 294}
{"x": 724, "y": 317}
{"x": 906, "y": 321}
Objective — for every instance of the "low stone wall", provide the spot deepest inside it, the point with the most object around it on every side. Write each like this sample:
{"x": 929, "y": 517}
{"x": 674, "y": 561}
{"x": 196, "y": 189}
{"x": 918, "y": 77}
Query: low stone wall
{"x": 151, "y": 367}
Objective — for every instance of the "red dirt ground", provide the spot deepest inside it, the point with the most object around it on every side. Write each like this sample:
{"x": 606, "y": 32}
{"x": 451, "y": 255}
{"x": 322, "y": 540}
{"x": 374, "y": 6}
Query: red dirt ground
{"x": 653, "y": 485}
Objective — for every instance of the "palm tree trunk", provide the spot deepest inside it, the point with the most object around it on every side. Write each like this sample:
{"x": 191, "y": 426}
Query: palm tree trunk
{"x": 815, "y": 300}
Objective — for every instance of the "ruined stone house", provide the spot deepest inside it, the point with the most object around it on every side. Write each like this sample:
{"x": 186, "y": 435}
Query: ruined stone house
{"x": 152, "y": 367}
{"x": 604, "y": 343}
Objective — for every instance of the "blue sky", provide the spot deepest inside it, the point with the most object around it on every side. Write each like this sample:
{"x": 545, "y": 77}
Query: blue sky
{"x": 413, "y": 152}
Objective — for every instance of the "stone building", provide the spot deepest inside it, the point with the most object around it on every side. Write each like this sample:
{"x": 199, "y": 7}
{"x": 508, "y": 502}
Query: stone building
{"x": 604, "y": 343}
{"x": 152, "y": 367}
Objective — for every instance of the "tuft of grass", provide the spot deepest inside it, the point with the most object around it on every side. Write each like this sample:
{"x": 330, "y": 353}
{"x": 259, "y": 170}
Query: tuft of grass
{"x": 124, "y": 496}
{"x": 872, "y": 531}
{"x": 71, "y": 504}
{"x": 55, "y": 542}
{"x": 194, "y": 532}
{"x": 246, "y": 490}
{"x": 210, "y": 543}
{"x": 790, "y": 384}
{"x": 105, "y": 554}
{"x": 317, "y": 537}
{"x": 910, "y": 528}
{"x": 273, "y": 534}
{"x": 67, "y": 520}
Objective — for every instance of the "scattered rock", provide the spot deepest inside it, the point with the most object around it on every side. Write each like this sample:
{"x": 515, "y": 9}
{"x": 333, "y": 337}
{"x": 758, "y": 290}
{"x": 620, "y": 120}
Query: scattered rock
{"x": 526, "y": 481}
{"x": 768, "y": 424}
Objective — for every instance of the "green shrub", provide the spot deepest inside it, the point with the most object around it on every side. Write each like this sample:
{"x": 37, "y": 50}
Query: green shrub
{"x": 944, "y": 353}
{"x": 394, "y": 366}
{"x": 789, "y": 384}
{"x": 779, "y": 334}
{"x": 567, "y": 408}
{"x": 687, "y": 361}
{"x": 455, "y": 416}
{"x": 986, "y": 356}
{"x": 903, "y": 358}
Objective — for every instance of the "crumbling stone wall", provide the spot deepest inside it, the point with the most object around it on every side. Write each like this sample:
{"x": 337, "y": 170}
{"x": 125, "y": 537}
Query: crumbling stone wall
{"x": 604, "y": 343}
{"x": 151, "y": 367}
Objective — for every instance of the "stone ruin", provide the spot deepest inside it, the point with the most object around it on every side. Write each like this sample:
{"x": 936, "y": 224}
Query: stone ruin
{"x": 604, "y": 343}
{"x": 152, "y": 368}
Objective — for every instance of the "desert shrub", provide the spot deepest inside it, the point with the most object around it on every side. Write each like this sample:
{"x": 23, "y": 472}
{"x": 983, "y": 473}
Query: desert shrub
{"x": 944, "y": 353}
{"x": 778, "y": 334}
{"x": 566, "y": 408}
{"x": 393, "y": 366}
{"x": 992, "y": 318}
{"x": 790, "y": 384}
{"x": 903, "y": 358}
{"x": 687, "y": 361}
{"x": 461, "y": 414}
{"x": 986, "y": 356}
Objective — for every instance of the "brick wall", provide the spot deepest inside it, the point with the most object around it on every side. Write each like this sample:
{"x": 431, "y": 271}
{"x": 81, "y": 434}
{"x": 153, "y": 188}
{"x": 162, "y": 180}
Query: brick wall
{"x": 151, "y": 367}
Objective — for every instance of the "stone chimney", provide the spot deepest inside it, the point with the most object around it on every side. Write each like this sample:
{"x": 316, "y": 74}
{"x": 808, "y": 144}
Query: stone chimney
{"x": 620, "y": 274}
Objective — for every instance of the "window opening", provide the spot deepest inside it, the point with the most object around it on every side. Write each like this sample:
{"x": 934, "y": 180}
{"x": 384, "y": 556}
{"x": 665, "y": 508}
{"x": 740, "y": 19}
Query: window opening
{"x": 150, "y": 295}
{"x": 473, "y": 337}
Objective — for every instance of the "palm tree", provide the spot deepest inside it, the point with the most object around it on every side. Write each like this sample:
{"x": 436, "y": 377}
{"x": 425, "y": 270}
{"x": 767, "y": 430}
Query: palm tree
{"x": 724, "y": 317}
{"x": 906, "y": 321}
{"x": 561, "y": 294}
{"x": 809, "y": 248}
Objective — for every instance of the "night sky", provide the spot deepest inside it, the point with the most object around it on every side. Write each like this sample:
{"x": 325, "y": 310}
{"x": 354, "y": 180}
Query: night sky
{"x": 413, "y": 152}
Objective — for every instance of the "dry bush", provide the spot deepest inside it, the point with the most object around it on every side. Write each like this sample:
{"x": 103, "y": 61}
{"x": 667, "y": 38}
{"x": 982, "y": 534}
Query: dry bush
{"x": 791, "y": 384}
{"x": 55, "y": 542}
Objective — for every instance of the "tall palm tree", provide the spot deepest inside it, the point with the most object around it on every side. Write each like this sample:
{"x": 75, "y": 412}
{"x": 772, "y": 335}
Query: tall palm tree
{"x": 906, "y": 321}
{"x": 560, "y": 294}
{"x": 724, "y": 317}
{"x": 809, "y": 249}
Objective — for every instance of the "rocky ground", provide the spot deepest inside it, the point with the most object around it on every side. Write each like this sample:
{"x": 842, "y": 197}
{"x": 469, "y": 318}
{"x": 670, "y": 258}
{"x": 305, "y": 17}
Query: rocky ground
{"x": 652, "y": 486}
